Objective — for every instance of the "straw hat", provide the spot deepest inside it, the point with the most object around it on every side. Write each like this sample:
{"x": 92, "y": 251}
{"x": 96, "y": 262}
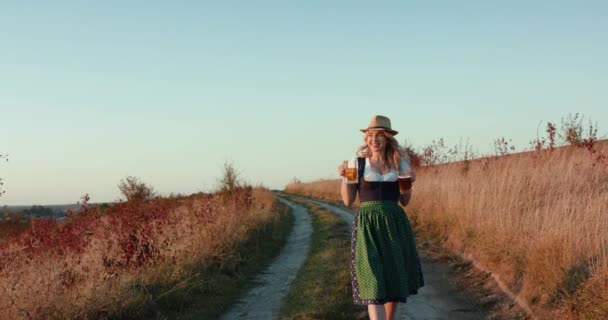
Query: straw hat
{"x": 379, "y": 122}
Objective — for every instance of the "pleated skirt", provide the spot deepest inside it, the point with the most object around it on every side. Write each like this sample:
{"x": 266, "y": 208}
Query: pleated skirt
{"x": 385, "y": 266}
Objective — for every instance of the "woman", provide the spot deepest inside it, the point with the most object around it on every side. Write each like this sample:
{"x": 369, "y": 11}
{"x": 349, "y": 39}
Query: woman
{"x": 385, "y": 267}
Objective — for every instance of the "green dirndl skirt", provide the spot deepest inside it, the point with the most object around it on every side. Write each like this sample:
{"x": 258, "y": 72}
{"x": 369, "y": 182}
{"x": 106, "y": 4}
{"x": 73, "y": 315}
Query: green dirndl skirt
{"x": 385, "y": 266}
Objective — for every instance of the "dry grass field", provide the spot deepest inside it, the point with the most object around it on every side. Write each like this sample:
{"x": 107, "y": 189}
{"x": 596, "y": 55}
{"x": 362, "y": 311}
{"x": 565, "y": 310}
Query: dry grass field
{"x": 537, "y": 220}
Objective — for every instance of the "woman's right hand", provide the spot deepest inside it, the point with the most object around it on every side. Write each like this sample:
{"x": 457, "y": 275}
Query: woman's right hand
{"x": 342, "y": 169}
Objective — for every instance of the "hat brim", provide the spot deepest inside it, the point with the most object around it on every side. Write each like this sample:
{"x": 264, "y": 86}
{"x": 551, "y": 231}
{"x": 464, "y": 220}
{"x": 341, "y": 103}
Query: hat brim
{"x": 392, "y": 132}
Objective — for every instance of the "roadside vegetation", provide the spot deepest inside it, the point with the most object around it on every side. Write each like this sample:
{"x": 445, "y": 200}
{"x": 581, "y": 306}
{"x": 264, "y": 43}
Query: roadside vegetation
{"x": 144, "y": 257}
{"x": 535, "y": 219}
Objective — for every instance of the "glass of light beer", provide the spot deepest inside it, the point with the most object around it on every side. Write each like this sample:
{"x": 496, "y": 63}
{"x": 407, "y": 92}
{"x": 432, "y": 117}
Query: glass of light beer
{"x": 405, "y": 178}
{"x": 351, "y": 171}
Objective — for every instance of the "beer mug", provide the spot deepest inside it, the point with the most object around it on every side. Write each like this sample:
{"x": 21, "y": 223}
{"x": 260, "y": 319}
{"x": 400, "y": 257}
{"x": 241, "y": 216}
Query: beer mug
{"x": 405, "y": 177}
{"x": 351, "y": 174}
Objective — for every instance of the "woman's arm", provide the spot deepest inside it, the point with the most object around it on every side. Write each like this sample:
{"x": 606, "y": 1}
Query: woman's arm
{"x": 349, "y": 193}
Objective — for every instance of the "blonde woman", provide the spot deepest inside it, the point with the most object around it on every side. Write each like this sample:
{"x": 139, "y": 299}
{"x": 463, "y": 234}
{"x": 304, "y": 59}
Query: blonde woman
{"x": 385, "y": 267}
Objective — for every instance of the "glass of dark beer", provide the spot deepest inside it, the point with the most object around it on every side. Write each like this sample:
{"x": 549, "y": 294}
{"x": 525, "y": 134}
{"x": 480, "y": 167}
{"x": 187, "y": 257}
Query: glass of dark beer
{"x": 405, "y": 178}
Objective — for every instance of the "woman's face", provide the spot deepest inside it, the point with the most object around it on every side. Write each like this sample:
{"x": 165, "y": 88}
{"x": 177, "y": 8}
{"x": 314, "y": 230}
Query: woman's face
{"x": 376, "y": 141}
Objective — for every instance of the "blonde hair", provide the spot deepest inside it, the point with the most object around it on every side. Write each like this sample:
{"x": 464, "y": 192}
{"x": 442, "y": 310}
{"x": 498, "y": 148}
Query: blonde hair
{"x": 393, "y": 153}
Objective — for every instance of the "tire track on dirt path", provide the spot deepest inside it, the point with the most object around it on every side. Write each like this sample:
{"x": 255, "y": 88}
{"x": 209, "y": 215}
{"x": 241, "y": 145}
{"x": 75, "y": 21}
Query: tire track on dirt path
{"x": 438, "y": 299}
{"x": 264, "y": 300}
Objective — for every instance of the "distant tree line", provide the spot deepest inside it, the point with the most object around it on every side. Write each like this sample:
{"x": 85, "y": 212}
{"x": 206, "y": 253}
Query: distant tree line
{"x": 40, "y": 211}
{"x": 36, "y": 211}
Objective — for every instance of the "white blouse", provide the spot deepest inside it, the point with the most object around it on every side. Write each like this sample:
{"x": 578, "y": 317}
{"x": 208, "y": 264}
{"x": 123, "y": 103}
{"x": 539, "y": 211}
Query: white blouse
{"x": 372, "y": 176}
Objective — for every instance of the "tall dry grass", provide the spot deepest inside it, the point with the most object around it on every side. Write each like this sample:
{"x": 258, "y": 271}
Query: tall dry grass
{"x": 538, "y": 221}
{"x": 87, "y": 266}
{"x": 322, "y": 189}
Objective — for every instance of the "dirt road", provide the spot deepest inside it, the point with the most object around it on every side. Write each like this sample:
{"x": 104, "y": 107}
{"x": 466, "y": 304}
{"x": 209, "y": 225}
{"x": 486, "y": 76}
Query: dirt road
{"x": 438, "y": 299}
{"x": 264, "y": 300}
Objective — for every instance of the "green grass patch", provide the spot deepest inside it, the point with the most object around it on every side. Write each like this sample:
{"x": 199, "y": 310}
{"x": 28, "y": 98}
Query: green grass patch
{"x": 208, "y": 289}
{"x": 322, "y": 287}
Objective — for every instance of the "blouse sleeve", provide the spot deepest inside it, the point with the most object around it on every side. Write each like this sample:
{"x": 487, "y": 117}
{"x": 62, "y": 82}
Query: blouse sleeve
{"x": 404, "y": 165}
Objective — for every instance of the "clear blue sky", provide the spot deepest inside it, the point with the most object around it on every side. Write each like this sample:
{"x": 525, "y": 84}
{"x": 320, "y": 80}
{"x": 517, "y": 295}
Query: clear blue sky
{"x": 91, "y": 92}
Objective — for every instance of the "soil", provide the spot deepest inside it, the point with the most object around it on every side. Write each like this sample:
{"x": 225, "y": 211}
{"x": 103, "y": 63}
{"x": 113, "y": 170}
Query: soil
{"x": 264, "y": 300}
